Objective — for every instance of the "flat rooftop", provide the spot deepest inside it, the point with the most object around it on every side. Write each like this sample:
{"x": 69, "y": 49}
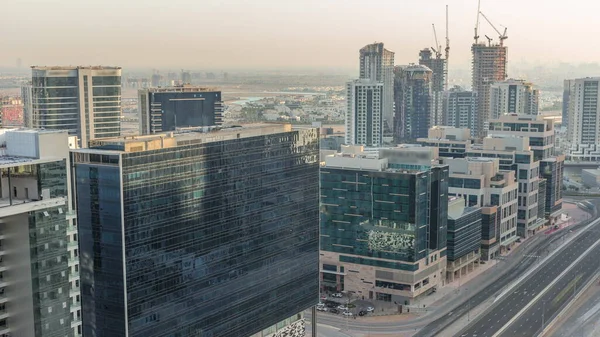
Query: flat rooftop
{"x": 180, "y": 88}
{"x": 73, "y": 67}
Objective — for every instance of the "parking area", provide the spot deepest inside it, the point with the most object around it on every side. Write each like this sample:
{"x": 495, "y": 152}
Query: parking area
{"x": 345, "y": 304}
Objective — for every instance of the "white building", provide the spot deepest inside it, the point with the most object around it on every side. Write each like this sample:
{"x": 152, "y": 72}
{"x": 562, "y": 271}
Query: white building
{"x": 377, "y": 64}
{"x": 540, "y": 131}
{"x": 461, "y": 109}
{"x": 39, "y": 261}
{"x": 364, "y": 114}
{"x": 583, "y": 112}
{"x": 513, "y": 97}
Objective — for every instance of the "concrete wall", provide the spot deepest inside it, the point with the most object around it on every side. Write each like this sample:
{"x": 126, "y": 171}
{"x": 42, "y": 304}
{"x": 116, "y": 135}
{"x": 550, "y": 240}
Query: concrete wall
{"x": 18, "y": 274}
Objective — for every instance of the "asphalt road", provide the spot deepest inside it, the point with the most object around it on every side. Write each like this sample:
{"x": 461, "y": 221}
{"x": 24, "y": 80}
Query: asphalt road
{"x": 530, "y": 321}
{"x": 584, "y": 320}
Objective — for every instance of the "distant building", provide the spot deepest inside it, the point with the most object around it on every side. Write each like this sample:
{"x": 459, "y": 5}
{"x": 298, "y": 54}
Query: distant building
{"x": 364, "y": 114}
{"x": 39, "y": 259}
{"x": 210, "y": 233}
{"x": 568, "y": 88}
{"x": 166, "y": 109}
{"x": 390, "y": 244}
{"x": 85, "y": 101}
{"x": 489, "y": 66}
{"x": 539, "y": 130}
{"x": 461, "y": 109}
{"x": 438, "y": 66}
{"x": 186, "y": 77}
{"x": 464, "y": 238}
{"x": 413, "y": 91}
{"x": 377, "y": 64}
{"x": 513, "y": 97}
{"x": 584, "y": 112}
{"x": 451, "y": 142}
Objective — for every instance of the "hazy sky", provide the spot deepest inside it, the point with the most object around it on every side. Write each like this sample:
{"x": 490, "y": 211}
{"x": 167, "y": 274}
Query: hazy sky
{"x": 237, "y": 34}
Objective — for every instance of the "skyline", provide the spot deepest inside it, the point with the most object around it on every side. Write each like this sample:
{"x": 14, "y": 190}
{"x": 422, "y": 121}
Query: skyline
{"x": 266, "y": 34}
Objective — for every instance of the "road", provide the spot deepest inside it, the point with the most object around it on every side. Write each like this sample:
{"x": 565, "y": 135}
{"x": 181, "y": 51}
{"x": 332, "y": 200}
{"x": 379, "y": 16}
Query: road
{"x": 584, "y": 318}
{"x": 544, "y": 292}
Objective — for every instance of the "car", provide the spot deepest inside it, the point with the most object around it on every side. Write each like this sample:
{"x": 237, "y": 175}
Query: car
{"x": 337, "y": 295}
{"x": 362, "y": 313}
{"x": 321, "y": 308}
{"x": 334, "y": 311}
{"x": 370, "y": 309}
{"x": 347, "y": 313}
{"x": 342, "y": 307}
{"x": 323, "y": 297}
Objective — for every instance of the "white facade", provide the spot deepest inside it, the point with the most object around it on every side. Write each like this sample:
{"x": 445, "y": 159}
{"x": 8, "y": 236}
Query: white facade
{"x": 461, "y": 109}
{"x": 513, "y": 97}
{"x": 364, "y": 114}
{"x": 583, "y": 112}
{"x": 377, "y": 64}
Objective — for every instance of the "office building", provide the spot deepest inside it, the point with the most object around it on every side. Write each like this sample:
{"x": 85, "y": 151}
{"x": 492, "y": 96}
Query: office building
{"x": 489, "y": 66}
{"x": 490, "y": 225}
{"x": 438, "y": 66}
{"x": 451, "y": 142}
{"x": 413, "y": 91}
{"x": 39, "y": 264}
{"x": 464, "y": 238}
{"x": 480, "y": 182}
{"x": 460, "y": 108}
{"x": 514, "y": 154}
{"x": 85, "y": 101}
{"x": 203, "y": 232}
{"x": 584, "y": 116}
{"x": 540, "y": 132}
{"x": 552, "y": 170}
{"x": 364, "y": 113}
{"x": 169, "y": 108}
{"x": 26, "y": 97}
{"x": 383, "y": 223}
{"x": 377, "y": 65}
{"x": 568, "y": 88}
{"x": 513, "y": 97}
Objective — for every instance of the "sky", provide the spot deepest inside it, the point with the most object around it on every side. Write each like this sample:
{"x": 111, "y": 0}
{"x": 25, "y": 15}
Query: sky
{"x": 284, "y": 34}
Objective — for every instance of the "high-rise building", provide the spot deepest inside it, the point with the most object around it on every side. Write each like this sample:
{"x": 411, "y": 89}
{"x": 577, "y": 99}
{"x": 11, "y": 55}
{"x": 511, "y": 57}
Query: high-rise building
{"x": 552, "y": 170}
{"x": 489, "y": 66}
{"x": 461, "y": 109}
{"x": 39, "y": 264}
{"x": 377, "y": 64}
{"x": 364, "y": 113}
{"x": 438, "y": 66}
{"x": 568, "y": 87}
{"x": 513, "y": 97}
{"x": 464, "y": 238}
{"x": 199, "y": 233}
{"x": 86, "y": 101}
{"x": 584, "y": 112}
{"x": 413, "y": 98}
{"x": 169, "y": 108}
{"x": 26, "y": 97}
{"x": 383, "y": 222}
{"x": 186, "y": 77}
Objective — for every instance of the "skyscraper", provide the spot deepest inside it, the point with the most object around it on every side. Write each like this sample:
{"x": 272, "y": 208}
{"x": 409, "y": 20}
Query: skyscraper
{"x": 377, "y": 64}
{"x": 166, "y": 109}
{"x": 413, "y": 91}
{"x": 461, "y": 109}
{"x": 568, "y": 87}
{"x": 199, "y": 233}
{"x": 383, "y": 223}
{"x": 86, "y": 101}
{"x": 364, "y": 113}
{"x": 584, "y": 112}
{"x": 489, "y": 66}
{"x": 39, "y": 259}
{"x": 513, "y": 97}
{"x": 438, "y": 67}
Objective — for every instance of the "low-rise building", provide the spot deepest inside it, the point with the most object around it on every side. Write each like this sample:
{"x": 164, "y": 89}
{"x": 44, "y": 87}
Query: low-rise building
{"x": 451, "y": 142}
{"x": 464, "y": 238}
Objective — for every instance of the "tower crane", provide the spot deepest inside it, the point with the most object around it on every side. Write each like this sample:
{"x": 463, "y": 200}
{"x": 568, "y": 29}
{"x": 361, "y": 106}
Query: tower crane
{"x": 438, "y": 51}
{"x": 501, "y": 36}
{"x": 477, "y": 22}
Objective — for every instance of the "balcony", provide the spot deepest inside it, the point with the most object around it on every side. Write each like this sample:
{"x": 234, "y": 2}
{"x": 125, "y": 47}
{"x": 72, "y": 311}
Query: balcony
{"x": 10, "y": 207}
{"x": 73, "y": 244}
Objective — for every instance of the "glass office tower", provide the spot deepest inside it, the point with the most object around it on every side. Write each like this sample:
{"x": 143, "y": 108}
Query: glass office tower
{"x": 199, "y": 233}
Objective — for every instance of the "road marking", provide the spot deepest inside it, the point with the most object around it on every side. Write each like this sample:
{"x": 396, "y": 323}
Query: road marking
{"x": 571, "y": 266}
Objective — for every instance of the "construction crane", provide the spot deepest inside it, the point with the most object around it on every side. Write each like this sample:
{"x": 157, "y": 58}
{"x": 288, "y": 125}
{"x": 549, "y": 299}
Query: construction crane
{"x": 477, "y": 22}
{"x": 438, "y": 51}
{"x": 501, "y": 36}
{"x": 489, "y": 40}
{"x": 447, "y": 51}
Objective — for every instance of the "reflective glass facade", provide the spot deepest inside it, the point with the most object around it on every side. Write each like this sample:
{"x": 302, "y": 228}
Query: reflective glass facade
{"x": 464, "y": 233}
{"x": 214, "y": 239}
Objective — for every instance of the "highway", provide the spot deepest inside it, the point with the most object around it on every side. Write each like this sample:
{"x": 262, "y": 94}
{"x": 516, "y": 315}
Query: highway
{"x": 544, "y": 292}
{"x": 583, "y": 319}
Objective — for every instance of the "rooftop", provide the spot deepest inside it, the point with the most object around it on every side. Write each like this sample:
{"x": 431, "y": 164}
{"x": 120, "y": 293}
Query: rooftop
{"x": 181, "y": 88}
{"x": 73, "y": 67}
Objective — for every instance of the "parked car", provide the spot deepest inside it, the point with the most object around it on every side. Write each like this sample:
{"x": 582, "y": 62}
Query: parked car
{"x": 334, "y": 311}
{"x": 337, "y": 295}
{"x": 321, "y": 308}
{"x": 370, "y": 309}
{"x": 347, "y": 313}
{"x": 342, "y": 307}
{"x": 362, "y": 313}
{"x": 331, "y": 304}
{"x": 323, "y": 297}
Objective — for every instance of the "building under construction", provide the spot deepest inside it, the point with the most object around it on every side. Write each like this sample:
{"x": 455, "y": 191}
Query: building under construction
{"x": 489, "y": 66}
{"x": 438, "y": 66}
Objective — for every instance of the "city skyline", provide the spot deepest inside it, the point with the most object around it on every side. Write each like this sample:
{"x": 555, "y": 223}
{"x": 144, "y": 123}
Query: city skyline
{"x": 265, "y": 34}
